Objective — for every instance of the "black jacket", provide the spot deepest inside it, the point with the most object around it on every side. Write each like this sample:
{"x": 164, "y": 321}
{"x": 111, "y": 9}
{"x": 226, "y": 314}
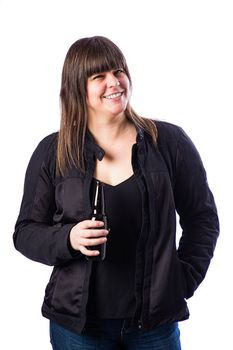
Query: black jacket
{"x": 171, "y": 178}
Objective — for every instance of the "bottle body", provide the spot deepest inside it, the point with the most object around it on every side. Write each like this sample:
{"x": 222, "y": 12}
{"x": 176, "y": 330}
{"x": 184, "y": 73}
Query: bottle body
{"x": 98, "y": 213}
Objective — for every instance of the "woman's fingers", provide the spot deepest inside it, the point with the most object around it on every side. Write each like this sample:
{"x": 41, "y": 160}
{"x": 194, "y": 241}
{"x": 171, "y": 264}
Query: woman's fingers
{"x": 89, "y": 252}
{"x": 92, "y": 233}
{"x": 87, "y": 233}
{"x": 85, "y": 224}
{"x": 89, "y": 242}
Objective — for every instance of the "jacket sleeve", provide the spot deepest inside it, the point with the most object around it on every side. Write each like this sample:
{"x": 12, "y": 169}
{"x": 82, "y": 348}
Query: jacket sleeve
{"x": 197, "y": 211}
{"x": 35, "y": 235}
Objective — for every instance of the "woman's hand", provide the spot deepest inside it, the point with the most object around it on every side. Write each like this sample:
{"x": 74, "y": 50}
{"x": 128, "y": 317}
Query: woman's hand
{"x": 88, "y": 233}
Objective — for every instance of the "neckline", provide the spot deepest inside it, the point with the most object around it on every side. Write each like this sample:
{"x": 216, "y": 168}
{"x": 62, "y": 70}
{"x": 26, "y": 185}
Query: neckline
{"x": 118, "y": 184}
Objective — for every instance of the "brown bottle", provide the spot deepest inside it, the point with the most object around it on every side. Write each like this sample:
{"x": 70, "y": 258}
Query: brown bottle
{"x": 98, "y": 213}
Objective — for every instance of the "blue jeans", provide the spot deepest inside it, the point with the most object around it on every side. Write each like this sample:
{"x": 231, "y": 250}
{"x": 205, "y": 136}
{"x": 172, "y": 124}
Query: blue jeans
{"x": 114, "y": 335}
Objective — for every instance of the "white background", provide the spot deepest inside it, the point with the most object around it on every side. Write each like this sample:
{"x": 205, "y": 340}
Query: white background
{"x": 181, "y": 61}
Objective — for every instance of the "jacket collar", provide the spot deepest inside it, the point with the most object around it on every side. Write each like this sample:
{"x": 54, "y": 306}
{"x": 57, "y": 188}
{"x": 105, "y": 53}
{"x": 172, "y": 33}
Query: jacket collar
{"x": 91, "y": 145}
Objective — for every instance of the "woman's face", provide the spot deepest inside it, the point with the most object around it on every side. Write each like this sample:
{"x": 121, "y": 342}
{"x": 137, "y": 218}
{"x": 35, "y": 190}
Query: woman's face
{"x": 108, "y": 93}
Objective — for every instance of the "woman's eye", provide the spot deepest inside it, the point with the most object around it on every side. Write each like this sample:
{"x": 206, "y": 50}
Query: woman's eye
{"x": 98, "y": 76}
{"x": 119, "y": 72}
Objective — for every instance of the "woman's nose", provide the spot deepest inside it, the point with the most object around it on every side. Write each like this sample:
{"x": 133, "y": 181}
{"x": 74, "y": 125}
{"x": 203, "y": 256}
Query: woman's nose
{"x": 112, "y": 80}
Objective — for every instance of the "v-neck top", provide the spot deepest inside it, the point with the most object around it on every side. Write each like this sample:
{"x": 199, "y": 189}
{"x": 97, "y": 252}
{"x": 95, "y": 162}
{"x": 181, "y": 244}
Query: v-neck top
{"x": 111, "y": 293}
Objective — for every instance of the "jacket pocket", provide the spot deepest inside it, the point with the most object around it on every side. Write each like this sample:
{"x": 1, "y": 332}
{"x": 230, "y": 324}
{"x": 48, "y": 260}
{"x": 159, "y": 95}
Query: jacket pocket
{"x": 51, "y": 285}
{"x": 168, "y": 286}
{"x": 69, "y": 200}
{"x": 65, "y": 290}
{"x": 182, "y": 278}
{"x": 190, "y": 282}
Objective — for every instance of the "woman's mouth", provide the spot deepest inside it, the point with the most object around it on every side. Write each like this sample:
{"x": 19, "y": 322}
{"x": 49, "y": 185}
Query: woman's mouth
{"x": 114, "y": 95}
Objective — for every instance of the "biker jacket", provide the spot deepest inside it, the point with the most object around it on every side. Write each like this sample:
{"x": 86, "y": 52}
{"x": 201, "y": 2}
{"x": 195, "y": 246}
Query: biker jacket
{"x": 172, "y": 180}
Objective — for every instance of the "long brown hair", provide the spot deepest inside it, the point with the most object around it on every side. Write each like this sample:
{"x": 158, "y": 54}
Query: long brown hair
{"x": 87, "y": 56}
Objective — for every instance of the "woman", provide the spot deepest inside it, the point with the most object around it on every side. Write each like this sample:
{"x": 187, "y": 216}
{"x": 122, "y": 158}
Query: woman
{"x": 150, "y": 170}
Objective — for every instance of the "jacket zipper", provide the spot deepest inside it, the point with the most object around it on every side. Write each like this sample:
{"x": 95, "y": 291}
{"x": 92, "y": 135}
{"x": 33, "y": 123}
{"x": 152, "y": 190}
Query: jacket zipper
{"x": 141, "y": 185}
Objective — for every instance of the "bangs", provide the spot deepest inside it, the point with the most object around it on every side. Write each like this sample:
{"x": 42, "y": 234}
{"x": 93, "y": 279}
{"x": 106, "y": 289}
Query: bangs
{"x": 101, "y": 56}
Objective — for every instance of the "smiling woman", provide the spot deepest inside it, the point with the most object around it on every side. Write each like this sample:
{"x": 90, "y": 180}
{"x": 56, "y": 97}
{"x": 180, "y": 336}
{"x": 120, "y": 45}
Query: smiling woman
{"x": 147, "y": 171}
{"x": 107, "y": 94}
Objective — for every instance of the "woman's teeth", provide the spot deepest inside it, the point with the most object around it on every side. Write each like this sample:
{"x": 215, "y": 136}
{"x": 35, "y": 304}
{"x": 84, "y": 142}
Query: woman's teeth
{"x": 118, "y": 94}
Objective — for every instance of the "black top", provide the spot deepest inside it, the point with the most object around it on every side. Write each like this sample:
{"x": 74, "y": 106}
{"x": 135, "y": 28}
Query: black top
{"x": 112, "y": 281}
